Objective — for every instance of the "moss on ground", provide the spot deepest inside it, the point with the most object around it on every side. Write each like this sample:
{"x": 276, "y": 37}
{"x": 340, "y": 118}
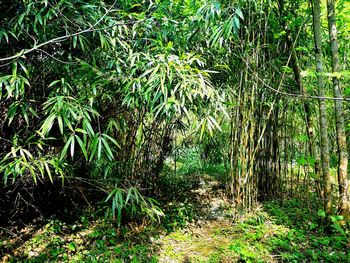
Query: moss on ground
{"x": 273, "y": 232}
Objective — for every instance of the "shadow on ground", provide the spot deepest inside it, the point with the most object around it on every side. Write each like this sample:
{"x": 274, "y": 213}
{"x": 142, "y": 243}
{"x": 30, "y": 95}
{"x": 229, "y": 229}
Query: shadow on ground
{"x": 196, "y": 229}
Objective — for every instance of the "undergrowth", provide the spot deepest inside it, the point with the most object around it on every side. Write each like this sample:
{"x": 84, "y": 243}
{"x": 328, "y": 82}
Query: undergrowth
{"x": 275, "y": 232}
{"x": 288, "y": 231}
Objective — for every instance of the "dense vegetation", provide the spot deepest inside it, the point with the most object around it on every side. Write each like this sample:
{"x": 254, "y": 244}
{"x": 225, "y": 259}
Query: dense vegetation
{"x": 131, "y": 129}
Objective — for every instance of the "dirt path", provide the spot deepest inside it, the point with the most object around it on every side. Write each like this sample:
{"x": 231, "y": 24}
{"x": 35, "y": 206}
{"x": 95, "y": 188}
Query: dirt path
{"x": 270, "y": 233}
{"x": 211, "y": 238}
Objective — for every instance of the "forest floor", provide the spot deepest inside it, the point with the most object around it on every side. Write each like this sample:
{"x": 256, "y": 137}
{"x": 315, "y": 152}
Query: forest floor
{"x": 199, "y": 229}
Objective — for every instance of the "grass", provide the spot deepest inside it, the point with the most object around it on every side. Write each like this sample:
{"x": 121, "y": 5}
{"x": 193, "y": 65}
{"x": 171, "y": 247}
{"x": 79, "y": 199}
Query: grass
{"x": 96, "y": 241}
{"x": 288, "y": 231}
{"x": 272, "y": 233}
{"x": 307, "y": 240}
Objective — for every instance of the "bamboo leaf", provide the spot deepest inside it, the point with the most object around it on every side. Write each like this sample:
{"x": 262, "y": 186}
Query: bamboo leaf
{"x": 82, "y": 146}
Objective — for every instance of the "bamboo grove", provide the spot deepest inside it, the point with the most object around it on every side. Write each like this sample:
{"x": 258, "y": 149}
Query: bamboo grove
{"x": 105, "y": 92}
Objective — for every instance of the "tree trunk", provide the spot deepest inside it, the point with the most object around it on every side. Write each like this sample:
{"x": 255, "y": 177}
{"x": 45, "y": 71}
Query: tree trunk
{"x": 340, "y": 129}
{"x": 327, "y": 191}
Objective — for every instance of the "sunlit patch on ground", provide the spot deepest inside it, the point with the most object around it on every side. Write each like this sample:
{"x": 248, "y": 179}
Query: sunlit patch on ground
{"x": 201, "y": 231}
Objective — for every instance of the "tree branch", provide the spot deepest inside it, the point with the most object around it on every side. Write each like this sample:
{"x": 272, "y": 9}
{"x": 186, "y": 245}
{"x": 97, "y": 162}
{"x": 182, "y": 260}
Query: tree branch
{"x": 65, "y": 37}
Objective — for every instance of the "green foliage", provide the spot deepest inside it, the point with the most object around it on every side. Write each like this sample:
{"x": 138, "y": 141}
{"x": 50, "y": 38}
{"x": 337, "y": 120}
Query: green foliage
{"x": 284, "y": 231}
{"x": 296, "y": 244}
{"x": 133, "y": 203}
{"x": 98, "y": 85}
{"x": 178, "y": 215}
{"x": 223, "y": 23}
{"x": 93, "y": 242}
{"x": 244, "y": 252}
{"x": 110, "y": 91}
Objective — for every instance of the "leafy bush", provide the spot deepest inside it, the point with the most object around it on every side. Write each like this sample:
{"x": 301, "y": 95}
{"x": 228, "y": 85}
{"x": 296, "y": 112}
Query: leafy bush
{"x": 178, "y": 215}
{"x": 132, "y": 203}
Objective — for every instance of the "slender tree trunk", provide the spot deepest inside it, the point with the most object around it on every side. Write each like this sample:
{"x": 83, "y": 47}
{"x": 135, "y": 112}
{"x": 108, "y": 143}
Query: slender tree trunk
{"x": 327, "y": 191}
{"x": 340, "y": 129}
{"x": 306, "y": 104}
{"x": 298, "y": 81}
